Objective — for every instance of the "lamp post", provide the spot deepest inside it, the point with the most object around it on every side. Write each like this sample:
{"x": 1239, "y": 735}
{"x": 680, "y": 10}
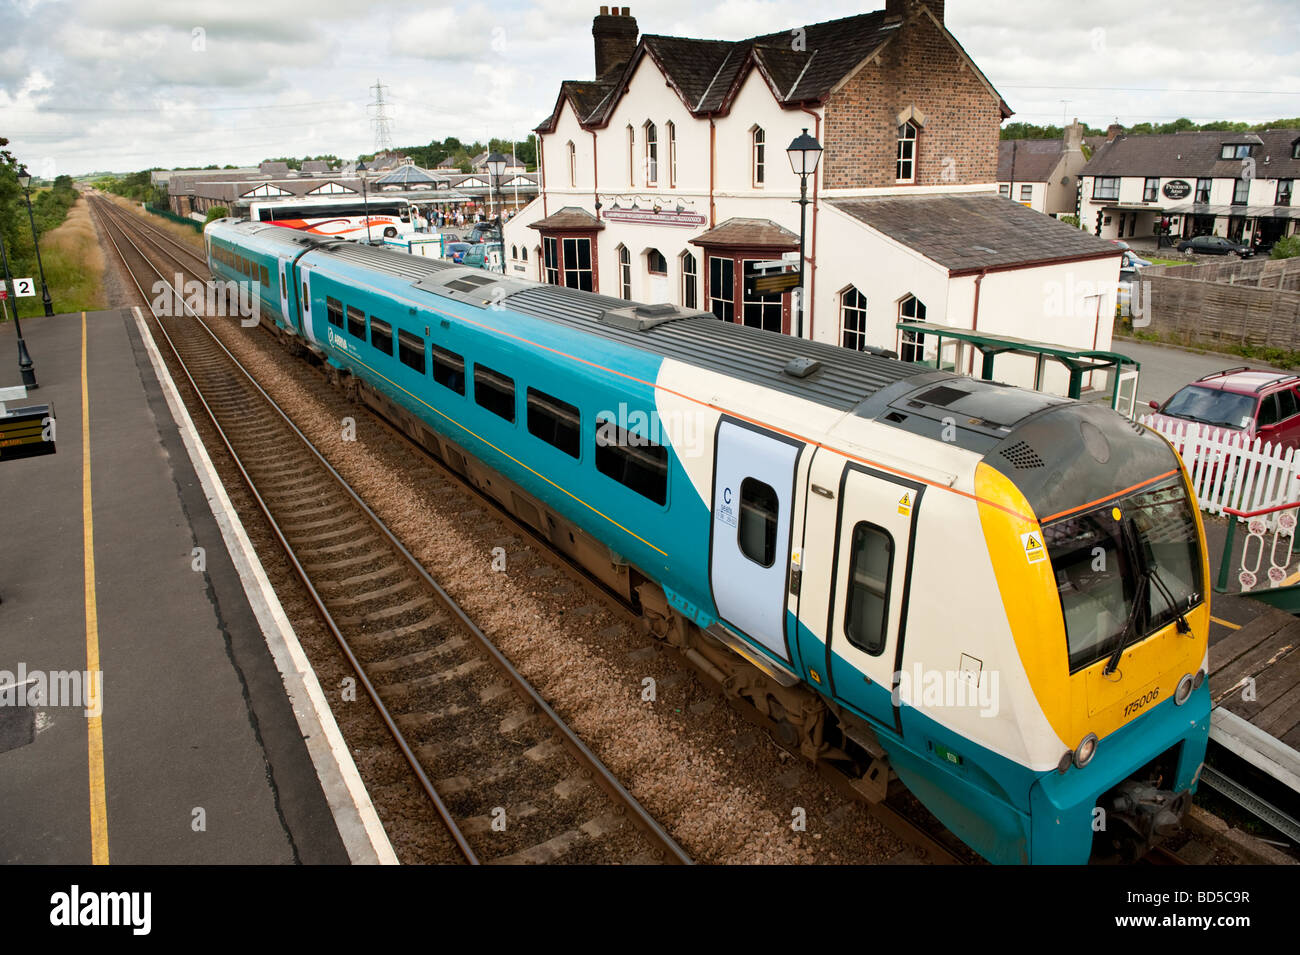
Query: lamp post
{"x": 25, "y": 366}
{"x": 496, "y": 164}
{"x": 25, "y": 180}
{"x": 365, "y": 206}
{"x": 805, "y": 152}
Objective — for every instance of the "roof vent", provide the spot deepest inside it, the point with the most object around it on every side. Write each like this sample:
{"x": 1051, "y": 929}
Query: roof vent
{"x": 943, "y": 395}
{"x": 802, "y": 367}
{"x": 642, "y": 318}
{"x": 1022, "y": 457}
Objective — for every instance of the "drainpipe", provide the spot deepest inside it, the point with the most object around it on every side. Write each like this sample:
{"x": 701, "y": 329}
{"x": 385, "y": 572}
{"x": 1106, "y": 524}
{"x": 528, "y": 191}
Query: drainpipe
{"x": 812, "y": 250}
{"x": 595, "y": 174}
{"x": 541, "y": 170}
{"x": 713, "y": 149}
{"x": 974, "y": 322}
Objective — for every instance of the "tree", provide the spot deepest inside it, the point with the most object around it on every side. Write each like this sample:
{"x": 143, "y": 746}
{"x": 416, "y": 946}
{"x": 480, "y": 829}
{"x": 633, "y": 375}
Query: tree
{"x": 1287, "y": 247}
{"x": 216, "y": 212}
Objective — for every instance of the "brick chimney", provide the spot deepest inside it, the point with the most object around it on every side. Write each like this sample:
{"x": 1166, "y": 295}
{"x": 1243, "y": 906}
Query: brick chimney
{"x": 899, "y": 9}
{"x": 615, "y": 33}
{"x": 1113, "y": 130}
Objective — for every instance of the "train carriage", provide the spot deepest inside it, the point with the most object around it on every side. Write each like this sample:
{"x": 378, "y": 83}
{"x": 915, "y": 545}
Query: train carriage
{"x": 996, "y": 595}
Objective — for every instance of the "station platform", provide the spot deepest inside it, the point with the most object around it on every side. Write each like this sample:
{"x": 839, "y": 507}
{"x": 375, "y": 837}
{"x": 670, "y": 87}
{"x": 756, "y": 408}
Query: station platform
{"x": 155, "y": 707}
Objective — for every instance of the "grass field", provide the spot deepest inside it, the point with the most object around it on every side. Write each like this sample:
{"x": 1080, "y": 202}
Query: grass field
{"x": 74, "y": 266}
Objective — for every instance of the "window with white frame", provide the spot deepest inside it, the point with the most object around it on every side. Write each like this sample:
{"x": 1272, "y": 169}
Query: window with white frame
{"x": 1150, "y": 188}
{"x": 651, "y": 154}
{"x": 690, "y": 281}
{"x": 905, "y": 166}
{"x": 912, "y": 309}
{"x": 1105, "y": 187}
{"x": 1284, "y": 187}
{"x": 1240, "y": 191}
{"x": 551, "y": 257}
{"x": 1234, "y": 151}
{"x": 1026, "y": 193}
{"x": 853, "y": 319}
{"x": 759, "y": 154}
{"x": 624, "y": 272}
{"x": 1004, "y": 189}
{"x": 672, "y": 154}
{"x": 722, "y": 287}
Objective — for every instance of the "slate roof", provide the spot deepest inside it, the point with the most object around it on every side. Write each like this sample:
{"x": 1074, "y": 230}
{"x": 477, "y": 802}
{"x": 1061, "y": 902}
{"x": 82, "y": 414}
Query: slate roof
{"x": 707, "y": 73}
{"x": 569, "y": 217}
{"x": 1195, "y": 154}
{"x": 315, "y": 165}
{"x": 1034, "y": 159}
{"x": 748, "y": 233}
{"x": 967, "y": 233}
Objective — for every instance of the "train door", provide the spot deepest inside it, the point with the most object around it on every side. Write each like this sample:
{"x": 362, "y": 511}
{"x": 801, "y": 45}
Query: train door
{"x": 749, "y": 559}
{"x": 286, "y": 296}
{"x": 870, "y": 586}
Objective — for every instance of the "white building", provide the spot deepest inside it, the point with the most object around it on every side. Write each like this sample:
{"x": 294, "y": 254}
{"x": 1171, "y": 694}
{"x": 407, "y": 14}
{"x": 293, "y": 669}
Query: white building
{"x": 666, "y": 179}
{"x": 1236, "y": 185}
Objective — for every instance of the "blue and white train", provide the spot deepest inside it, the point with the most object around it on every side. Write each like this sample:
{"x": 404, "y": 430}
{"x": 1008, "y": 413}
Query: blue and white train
{"x": 996, "y": 596}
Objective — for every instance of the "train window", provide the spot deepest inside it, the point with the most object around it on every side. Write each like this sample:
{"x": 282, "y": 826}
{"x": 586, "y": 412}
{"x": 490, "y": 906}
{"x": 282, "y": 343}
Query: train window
{"x": 632, "y": 460}
{"x": 410, "y": 350}
{"x": 556, "y": 422}
{"x": 756, "y": 531}
{"x": 449, "y": 369}
{"x": 306, "y": 300}
{"x": 284, "y": 287}
{"x": 357, "y": 325}
{"x": 495, "y": 392}
{"x": 266, "y": 278}
{"x": 866, "y": 612}
{"x": 334, "y": 311}
{"x": 381, "y": 335}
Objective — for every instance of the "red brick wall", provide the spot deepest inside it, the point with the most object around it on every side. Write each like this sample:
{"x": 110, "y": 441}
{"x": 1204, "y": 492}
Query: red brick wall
{"x": 920, "y": 68}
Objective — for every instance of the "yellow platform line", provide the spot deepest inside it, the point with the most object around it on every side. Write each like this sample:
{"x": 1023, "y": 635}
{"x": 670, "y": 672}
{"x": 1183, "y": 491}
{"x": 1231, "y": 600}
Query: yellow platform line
{"x": 94, "y": 684}
{"x": 1225, "y": 623}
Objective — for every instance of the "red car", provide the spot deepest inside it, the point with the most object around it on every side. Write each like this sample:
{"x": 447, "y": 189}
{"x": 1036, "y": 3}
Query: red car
{"x": 1264, "y": 404}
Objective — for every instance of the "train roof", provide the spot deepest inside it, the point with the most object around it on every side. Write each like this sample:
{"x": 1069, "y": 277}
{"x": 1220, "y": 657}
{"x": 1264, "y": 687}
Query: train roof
{"x": 914, "y": 398}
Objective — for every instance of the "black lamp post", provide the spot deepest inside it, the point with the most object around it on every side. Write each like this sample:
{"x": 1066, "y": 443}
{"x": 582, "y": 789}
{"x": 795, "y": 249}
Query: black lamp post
{"x": 25, "y": 180}
{"x": 805, "y": 152}
{"x": 365, "y": 206}
{"x": 496, "y": 164}
{"x": 25, "y": 366}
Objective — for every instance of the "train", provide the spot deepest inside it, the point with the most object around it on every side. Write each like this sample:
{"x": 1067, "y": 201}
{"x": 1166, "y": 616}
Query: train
{"x": 994, "y": 597}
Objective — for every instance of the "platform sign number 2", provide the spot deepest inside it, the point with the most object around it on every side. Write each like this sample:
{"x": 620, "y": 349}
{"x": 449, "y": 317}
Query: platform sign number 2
{"x": 24, "y": 288}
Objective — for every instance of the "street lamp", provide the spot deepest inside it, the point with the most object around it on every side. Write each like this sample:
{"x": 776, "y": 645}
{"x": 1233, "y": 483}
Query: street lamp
{"x": 496, "y": 164}
{"x": 25, "y": 180}
{"x": 25, "y": 367}
{"x": 365, "y": 206}
{"x": 805, "y": 152}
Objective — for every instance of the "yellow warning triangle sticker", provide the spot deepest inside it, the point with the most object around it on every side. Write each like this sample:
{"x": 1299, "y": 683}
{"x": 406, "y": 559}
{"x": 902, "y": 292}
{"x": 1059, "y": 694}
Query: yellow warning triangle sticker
{"x": 1034, "y": 550}
{"x": 905, "y": 503}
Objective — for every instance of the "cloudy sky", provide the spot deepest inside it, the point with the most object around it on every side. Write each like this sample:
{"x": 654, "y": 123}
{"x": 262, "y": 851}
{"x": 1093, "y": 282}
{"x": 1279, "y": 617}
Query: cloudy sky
{"x": 127, "y": 84}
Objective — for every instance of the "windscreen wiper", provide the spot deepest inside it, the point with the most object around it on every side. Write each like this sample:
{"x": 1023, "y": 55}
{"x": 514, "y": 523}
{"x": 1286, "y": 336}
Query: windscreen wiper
{"x": 1183, "y": 626}
{"x": 1139, "y": 592}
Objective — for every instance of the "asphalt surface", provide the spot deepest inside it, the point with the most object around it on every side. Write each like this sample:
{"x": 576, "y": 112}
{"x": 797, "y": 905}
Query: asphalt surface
{"x": 1165, "y": 369}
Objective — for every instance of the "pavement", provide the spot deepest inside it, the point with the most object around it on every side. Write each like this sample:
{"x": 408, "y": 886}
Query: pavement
{"x": 196, "y": 754}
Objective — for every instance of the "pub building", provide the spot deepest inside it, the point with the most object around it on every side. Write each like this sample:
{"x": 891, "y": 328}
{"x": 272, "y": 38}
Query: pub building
{"x": 1236, "y": 185}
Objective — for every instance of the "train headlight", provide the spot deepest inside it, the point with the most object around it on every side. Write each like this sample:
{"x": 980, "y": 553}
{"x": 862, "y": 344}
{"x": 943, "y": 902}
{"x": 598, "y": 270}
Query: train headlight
{"x": 1086, "y": 749}
{"x": 1200, "y": 678}
{"x": 1185, "y": 687}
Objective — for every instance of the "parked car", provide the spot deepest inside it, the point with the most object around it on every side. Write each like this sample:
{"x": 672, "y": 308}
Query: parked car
{"x": 456, "y": 250}
{"x": 485, "y": 255}
{"x": 483, "y": 232}
{"x": 1214, "y": 245}
{"x": 1131, "y": 261}
{"x": 1253, "y": 403}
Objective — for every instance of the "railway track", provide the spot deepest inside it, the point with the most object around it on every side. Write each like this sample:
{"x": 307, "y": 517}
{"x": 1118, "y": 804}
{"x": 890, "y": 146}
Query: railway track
{"x": 511, "y": 782}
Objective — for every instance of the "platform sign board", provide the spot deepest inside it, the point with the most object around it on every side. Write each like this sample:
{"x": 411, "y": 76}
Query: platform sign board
{"x": 24, "y": 288}
{"x": 26, "y": 432}
{"x": 773, "y": 283}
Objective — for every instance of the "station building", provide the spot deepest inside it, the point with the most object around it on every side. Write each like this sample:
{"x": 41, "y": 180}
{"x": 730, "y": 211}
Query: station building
{"x": 665, "y": 178}
{"x": 1236, "y": 185}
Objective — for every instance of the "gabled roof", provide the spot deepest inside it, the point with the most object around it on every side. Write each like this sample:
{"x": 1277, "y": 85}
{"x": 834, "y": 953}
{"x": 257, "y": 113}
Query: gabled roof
{"x": 707, "y": 74}
{"x": 405, "y": 175}
{"x": 1196, "y": 154}
{"x": 1029, "y": 160}
{"x": 748, "y": 233}
{"x": 967, "y": 233}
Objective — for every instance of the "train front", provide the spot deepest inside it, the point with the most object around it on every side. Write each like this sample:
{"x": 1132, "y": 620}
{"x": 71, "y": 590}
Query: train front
{"x": 1100, "y": 558}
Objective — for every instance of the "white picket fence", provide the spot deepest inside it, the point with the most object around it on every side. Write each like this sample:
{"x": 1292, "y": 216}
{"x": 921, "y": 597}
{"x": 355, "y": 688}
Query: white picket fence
{"x": 1228, "y": 471}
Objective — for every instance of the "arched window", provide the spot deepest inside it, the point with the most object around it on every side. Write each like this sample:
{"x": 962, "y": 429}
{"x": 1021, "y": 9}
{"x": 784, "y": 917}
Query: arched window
{"x": 905, "y": 168}
{"x": 655, "y": 262}
{"x": 523, "y": 252}
{"x": 573, "y": 164}
{"x": 759, "y": 155}
{"x": 853, "y": 319}
{"x": 912, "y": 344}
{"x": 514, "y": 252}
{"x": 624, "y": 272}
{"x": 672, "y": 154}
{"x": 651, "y": 154}
{"x": 690, "y": 281}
